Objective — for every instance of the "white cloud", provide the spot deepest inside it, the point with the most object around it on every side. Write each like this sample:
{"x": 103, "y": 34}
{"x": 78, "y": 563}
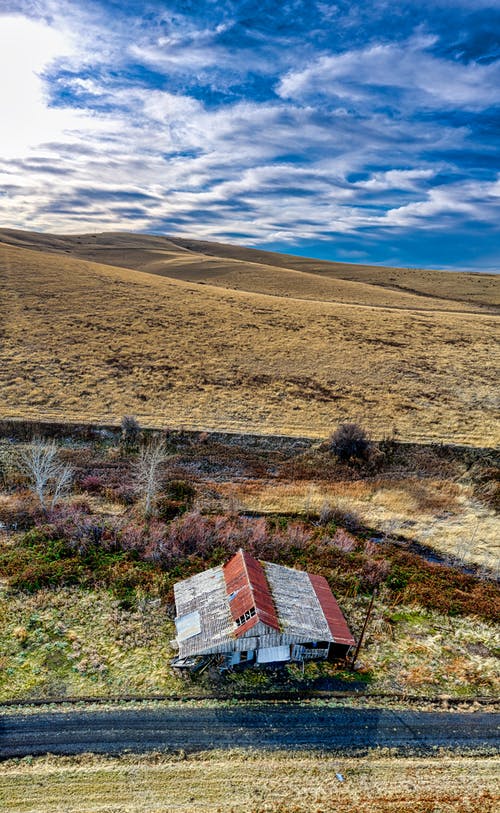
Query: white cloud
{"x": 466, "y": 198}
{"x": 26, "y": 49}
{"x": 396, "y": 179}
{"x": 143, "y": 158}
{"x": 361, "y": 77}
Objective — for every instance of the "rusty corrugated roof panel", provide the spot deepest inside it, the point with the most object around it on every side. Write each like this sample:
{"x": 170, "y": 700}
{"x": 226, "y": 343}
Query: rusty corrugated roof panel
{"x": 332, "y": 611}
{"x": 247, "y": 588}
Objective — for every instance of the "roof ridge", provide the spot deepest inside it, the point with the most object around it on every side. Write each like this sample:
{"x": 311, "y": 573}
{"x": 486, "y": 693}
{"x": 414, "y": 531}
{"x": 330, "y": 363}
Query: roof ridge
{"x": 250, "y": 584}
{"x": 243, "y": 567}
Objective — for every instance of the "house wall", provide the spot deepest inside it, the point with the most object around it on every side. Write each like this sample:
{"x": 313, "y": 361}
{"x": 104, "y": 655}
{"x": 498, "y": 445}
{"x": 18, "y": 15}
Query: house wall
{"x": 259, "y": 637}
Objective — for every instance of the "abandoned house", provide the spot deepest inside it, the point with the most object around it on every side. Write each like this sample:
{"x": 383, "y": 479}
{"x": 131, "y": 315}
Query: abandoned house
{"x": 258, "y": 612}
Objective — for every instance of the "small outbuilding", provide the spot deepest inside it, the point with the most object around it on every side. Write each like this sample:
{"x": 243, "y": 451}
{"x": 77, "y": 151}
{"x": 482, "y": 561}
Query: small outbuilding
{"x": 248, "y": 611}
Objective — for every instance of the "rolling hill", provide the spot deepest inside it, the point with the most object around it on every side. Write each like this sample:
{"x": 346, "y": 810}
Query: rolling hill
{"x": 185, "y": 333}
{"x": 266, "y": 272}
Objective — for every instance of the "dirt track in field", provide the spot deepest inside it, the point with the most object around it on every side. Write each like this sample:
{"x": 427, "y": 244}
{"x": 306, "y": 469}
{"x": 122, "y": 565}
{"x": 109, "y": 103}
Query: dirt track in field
{"x": 257, "y": 727}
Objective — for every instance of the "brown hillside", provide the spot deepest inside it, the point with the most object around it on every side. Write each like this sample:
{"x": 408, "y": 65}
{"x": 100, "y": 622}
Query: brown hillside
{"x": 82, "y": 340}
{"x": 264, "y": 272}
{"x": 480, "y": 289}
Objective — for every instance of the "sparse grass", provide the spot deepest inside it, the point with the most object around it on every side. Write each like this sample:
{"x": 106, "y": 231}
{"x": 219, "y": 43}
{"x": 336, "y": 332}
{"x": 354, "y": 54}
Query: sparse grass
{"x": 81, "y": 642}
{"x": 272, "y": 783}
{"x": 76, "y": 642}
{"x": 423, "y": 652}
{"x": 94, "y": 342}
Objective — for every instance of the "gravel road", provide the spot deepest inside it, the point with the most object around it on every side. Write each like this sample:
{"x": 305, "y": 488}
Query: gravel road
{"x": 266, "y": 726}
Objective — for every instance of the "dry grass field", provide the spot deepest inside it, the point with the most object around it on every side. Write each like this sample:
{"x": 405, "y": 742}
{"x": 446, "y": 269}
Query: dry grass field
{"x": 267, "y": 272}
{"x": 480, "y": 289}
{"x": 290, "y": 353}
{"x": 441, "y": 513}
{"x": 275, "y": 783}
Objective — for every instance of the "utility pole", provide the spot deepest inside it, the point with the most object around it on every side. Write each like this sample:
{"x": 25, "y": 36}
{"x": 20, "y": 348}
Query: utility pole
{"x": 358, "y": 645}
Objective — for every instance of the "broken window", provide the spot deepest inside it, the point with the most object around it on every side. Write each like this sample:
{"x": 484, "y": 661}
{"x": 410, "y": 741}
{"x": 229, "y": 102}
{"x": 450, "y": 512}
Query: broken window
{"x": 245, "y": 617}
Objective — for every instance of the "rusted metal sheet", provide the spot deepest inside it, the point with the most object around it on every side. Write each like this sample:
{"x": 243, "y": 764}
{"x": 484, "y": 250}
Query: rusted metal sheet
{"x": 247, "y": 588}
{"x": 331, "y": 611}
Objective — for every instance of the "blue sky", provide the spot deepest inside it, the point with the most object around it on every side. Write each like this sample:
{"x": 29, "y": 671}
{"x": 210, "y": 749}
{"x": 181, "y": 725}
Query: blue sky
{"x": 355, "y": 131}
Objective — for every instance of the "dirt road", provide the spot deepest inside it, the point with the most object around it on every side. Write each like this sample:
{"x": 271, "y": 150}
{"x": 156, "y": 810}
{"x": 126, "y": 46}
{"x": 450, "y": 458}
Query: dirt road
{"x": 265, "y": 726}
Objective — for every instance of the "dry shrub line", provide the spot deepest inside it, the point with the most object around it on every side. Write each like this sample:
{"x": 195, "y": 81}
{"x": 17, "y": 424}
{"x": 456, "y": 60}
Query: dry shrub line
{"x": 74, "y": 546}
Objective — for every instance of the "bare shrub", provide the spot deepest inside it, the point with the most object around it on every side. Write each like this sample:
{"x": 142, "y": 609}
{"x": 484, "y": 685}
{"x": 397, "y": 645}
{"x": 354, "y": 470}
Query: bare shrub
{"x": 79, "y": 528}
{"x": 44, "y": 472}
{"x": 326, "y": 514}
{"x": 371, "y": 548}
{"x": 297, "y": 536}
{"x": 147, "y": 472}
{"x": 131, "y": 431}
{"x": 375, "y": 571}
{"x": 92, "y": 484}
{"x": 350, "y": 442}
{"x": 343, "y": 541}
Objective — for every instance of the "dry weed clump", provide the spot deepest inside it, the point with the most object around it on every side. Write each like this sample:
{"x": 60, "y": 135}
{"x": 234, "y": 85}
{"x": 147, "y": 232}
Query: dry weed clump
{"x": 344, "y": 541}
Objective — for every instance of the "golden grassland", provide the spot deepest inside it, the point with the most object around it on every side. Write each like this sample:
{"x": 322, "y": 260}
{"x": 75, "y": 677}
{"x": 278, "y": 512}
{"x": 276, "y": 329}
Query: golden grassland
{"x": 83, "y": 341}
{"x": 76, "y": 642}
{"x": 441, "y": 513}
{"x": 481, "y": 289}
{"x": 268, "y": 272}
{"x": 229, "y": 781}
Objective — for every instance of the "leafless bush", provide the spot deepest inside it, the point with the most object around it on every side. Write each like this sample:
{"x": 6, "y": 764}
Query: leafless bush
{"x": 350, "y": 442}
{"x": 45, "y": 474}
{"x": 375, "y": 571}
{"x": 79, "y": 528}
{"x": 343, "y": 541}
{"x": 131, "y": 430}
{"x": 346, "y": 518}
{"x": 327, "y": 513}
{"x": 147, "y": 472}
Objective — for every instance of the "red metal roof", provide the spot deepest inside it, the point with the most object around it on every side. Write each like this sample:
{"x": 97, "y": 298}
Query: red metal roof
{"x": 331, "y": 610}
{"x": 247, "y": 587}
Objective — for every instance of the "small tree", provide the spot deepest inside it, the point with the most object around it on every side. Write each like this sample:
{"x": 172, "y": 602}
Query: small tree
{"x": 147, "y": 472}
{"x": 350, "y": 442}
{"x": 45, "y": 473}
